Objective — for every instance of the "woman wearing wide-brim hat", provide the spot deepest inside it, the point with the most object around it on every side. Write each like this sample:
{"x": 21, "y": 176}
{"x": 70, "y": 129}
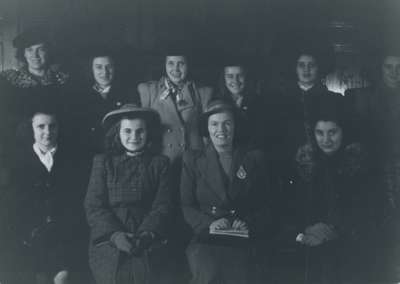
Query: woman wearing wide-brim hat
{"x": 224, "y": 187}
{"x": 128, "y": 199}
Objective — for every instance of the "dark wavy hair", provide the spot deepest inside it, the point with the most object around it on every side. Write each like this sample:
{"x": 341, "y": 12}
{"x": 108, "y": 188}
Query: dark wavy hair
{"x": 112, "y": 141}
{"x": 24, "y": 132}
{"x": 20, "y": 53}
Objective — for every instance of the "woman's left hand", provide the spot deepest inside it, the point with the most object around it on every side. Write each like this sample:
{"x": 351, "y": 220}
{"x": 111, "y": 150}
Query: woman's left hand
{"x": 239, "y": 225}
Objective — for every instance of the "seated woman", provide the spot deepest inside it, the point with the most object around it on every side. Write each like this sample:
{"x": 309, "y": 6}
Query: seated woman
{"x": 128, "y": 198}
{"x": 334, "y": 192}
{"x": 224, "y": 187}
{"x": 44, "y": 192}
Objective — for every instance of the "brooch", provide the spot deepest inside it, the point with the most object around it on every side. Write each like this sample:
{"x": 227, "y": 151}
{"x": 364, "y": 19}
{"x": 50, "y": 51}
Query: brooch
{"x": 241, "y": 173}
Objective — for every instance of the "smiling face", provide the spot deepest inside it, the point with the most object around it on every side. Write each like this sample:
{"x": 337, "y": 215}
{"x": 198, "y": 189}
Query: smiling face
{"x": 221, "y": 128}
{"x": 329, "y": 136}
{"x": 234, "y": 79}
{"x": 176, "y": 68}
{"x": 103, "y": 70}
{"x": 307, "y": 70}
{"x": 391, "y": 71}
{"x": 133, "y": 134}
{"x": 36, "y": 56}
{"x": 45, "y": 131}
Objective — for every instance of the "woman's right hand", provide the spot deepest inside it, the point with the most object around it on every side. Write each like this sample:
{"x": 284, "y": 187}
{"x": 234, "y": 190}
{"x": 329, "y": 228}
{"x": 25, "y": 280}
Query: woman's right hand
{"x": 220, "y": 224}
{"x": 122, "y": 241}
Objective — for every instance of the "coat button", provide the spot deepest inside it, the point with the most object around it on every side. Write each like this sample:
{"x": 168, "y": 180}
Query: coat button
{"x": 291, "y": 182}
{"x": 169, "y": 130}
{"x": 170, "y": 145}
{"x": 92, "y": 129}
{"x": 182, "y": 145}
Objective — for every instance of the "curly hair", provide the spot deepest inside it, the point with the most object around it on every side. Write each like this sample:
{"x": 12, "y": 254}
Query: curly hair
{"x": 20, "y": 53}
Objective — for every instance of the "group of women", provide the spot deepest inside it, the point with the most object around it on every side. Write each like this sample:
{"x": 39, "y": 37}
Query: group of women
{"x": 221, "y": 174}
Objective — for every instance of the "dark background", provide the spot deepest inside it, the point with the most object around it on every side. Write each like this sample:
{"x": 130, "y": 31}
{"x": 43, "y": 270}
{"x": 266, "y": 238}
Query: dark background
{"x": 350, "y": 32}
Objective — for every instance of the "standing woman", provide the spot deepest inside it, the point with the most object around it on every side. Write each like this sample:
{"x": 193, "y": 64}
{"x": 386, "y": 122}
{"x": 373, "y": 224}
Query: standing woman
{"x": 128, "y": 198}
{"x": 37, "y": 80}
{"x": 180, "y": 102}
{"x": 224, "y": 186}
{"x": 334, "y": 199}
{"x": 235, "y": 85}
{"x": 102, "y": 92}
{"x": 43, "y": 191}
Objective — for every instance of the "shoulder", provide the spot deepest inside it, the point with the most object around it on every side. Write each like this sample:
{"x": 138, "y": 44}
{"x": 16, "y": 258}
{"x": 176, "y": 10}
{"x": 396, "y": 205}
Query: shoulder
{"x": 147, "y": 86}
{"x": 356, "y": 92}
{"x": 190, "y": 157}
{"x": 61, "y": 77}
{"x": 159, "y": 161}
{"x": 16, "y": 77}
{"x": 99, "y": 159}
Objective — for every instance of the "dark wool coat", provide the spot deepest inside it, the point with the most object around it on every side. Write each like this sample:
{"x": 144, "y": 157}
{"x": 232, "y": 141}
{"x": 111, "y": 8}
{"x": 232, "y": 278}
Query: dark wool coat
{"x": 43, "y": 201}
{"x": 180, "y": 129}
{"x": 84, "y": 111}
{"x": 375, "y": 115}
{"x": 128, "y": 194}
{"x": 206, "y": 196}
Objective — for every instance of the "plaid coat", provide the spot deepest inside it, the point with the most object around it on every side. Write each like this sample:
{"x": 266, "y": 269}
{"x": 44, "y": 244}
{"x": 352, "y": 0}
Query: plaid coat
{"x": 128, "y": 194}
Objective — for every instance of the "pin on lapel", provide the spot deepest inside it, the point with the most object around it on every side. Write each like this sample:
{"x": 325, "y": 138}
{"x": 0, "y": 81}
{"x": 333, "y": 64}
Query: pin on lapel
{"x": 241, "y": 173}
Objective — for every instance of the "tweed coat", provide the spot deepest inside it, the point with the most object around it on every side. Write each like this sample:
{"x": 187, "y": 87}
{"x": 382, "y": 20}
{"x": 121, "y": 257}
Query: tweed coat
{"x": 128, "y": 194}
{"x": 205, "y": 197}
{"x": 180, "y": 128}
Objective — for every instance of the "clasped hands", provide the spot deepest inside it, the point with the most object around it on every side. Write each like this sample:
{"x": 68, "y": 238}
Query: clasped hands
{"x": 317, "y": 234}
{"x": 131, "y": 244}
{"x": 224, "y": 223}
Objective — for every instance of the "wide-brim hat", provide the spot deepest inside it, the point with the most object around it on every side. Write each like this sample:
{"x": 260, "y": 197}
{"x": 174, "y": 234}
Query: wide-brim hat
{"x": 213, "y": 107}
{"x": 132, "y": 111}
{"x": 31, "y": 37}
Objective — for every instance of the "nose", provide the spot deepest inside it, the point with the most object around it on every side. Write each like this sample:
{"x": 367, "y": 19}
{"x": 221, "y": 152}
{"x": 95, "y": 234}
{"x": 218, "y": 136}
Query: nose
{"x": 326, "y": 139}
{"x": 46, "y": 130}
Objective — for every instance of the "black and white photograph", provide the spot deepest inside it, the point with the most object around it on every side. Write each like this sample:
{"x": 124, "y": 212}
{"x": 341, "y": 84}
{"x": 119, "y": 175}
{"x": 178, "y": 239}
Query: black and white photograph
{"x": 199, "y": 141}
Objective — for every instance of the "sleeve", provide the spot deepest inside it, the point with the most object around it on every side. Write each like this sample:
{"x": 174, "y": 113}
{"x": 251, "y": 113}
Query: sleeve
{"x": 206, "y": 95}
{"x": 101, "y": 219}
{"x": 260, "y": 218}
{"x": 158, "y": 219}
{"x": 144, "y": 93}
{"x": 198, "y": 220}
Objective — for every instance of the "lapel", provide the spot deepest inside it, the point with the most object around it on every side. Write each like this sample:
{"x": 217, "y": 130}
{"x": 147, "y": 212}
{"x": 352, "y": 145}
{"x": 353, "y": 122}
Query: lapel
{"x": 239, "y": 173}
{"x": 167, "y": 103}
{"x": 214, "y": 174}
{"x": 187, "y": 96}
{"x": 36, "y": 164}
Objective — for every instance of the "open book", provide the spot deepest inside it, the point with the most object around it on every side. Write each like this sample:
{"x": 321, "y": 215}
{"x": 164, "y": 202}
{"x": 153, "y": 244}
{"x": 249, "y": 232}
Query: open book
{"x": 230, "y": 232}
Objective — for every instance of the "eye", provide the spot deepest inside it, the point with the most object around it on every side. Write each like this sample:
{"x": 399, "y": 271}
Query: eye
{"x": 318, "y": 133}
{"x": 229, "y": 76}
{"x": 127, "y": 131}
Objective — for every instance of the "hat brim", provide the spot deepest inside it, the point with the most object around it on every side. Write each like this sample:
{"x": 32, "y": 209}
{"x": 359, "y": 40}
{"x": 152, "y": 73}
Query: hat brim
{"x": 151, "y": 117}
